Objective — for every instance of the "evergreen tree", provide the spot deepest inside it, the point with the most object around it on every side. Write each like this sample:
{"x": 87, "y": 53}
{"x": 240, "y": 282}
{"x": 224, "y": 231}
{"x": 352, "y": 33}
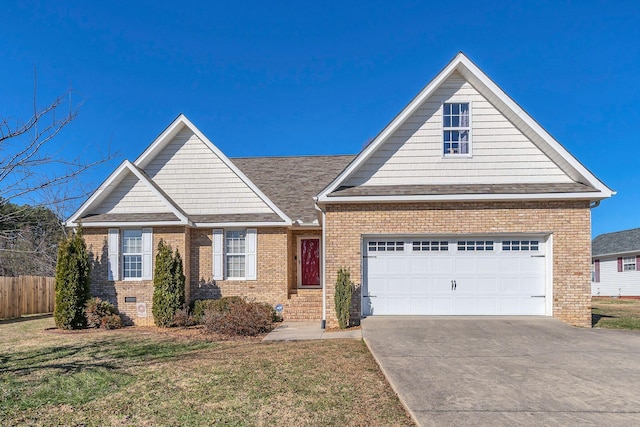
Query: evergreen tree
{"x": 169, "y": 284}
{"x": 73, "y": 279}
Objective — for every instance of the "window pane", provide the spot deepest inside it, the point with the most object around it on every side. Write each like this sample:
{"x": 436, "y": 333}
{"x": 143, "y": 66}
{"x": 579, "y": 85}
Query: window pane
{"x": 132, "y": 266}
{"x": 235, "y": 242}
{"x": 132, "y": 241}
{"x": 235, "y": 266}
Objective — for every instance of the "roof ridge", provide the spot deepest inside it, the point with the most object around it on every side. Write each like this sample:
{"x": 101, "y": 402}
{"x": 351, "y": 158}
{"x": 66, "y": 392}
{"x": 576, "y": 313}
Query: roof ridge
{"x": 293, "y": 156}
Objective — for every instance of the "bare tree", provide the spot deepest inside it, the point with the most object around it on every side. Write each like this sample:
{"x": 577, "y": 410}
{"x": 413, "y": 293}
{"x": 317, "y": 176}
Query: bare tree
{"x": 35, "y": 170}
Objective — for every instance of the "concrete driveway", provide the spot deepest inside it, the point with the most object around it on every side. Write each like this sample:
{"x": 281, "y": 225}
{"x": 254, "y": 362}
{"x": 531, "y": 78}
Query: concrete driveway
{"x": 508, "y": 371}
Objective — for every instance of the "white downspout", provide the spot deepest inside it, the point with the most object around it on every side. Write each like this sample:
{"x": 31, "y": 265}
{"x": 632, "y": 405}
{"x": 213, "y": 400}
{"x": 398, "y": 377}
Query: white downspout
{"x": 323, "y": 323}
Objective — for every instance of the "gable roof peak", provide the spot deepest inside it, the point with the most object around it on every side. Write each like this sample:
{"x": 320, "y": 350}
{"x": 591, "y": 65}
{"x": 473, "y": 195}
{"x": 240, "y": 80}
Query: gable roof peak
{"x": 503, "y": 102}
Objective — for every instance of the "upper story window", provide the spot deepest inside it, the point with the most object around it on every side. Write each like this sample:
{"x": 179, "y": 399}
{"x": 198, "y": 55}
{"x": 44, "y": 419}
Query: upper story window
{"x": 456, "y": 128}
{"x": 132, "y": 254}
{"x": 629, "y": 263}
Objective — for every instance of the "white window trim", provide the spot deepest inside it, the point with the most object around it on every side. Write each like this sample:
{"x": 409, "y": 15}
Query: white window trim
{"x": 122, "y": 255}
{"x": 115, "y": 248}
{"x": 628, "y": 260}
{"x": 219, "y": 243}
{"x": 226, "y": 255}
{"x": 468, "y": 128}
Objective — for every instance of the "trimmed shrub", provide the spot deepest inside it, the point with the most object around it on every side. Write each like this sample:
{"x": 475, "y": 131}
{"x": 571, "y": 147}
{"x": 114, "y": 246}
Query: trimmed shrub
{"x": 113, "y": 321}
{"x": 219, "y": 305}
{"x": 96, "y": 309}
{"x": 241, "y": 318}
{"x": 342, "y": 298}
{"x": 73, "y": 272}
{"x": 169, "y": 284}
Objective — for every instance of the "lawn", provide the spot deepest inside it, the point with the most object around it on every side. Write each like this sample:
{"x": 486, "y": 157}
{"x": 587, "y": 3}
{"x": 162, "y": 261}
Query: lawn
{"x": 615, "y": 313}
{"x": 138, "y": 376}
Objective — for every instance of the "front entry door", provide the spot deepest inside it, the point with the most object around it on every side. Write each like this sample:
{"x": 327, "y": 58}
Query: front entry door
{"x": 309, "y": 261}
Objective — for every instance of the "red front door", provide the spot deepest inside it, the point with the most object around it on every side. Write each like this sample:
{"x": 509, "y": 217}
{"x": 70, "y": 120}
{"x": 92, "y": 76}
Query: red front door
{"x": 310, "y": 262}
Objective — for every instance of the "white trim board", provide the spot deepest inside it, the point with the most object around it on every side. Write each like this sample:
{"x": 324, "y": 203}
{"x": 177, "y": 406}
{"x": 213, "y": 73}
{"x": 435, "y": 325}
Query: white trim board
{"x": 540, "y": 137}
{"x": 110, "y": 183}
{"x": 175, "y": 127}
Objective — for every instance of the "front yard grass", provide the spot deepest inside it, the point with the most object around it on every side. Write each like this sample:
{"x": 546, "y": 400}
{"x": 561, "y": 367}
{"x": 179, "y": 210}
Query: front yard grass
{"x": 138, "y": 376}
{"x": 615, "y": 313}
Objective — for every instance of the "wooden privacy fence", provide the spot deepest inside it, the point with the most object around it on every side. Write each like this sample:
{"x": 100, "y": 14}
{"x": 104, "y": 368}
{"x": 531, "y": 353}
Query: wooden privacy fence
{"x": 24, "y": 295}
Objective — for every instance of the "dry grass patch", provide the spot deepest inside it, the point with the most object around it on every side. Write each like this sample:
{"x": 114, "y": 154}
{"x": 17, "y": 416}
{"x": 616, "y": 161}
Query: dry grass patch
{"x": 146, "y": 377}
{"x": 615, "y": 313}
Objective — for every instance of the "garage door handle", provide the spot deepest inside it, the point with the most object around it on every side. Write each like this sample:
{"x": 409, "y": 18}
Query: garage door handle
{"x": 454, "y": 285}
{"x": 537, "y": 296}
{"x": 369, "y": 296}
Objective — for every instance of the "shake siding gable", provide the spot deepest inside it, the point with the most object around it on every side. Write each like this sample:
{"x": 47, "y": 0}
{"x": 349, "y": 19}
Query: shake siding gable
{"x": 187, "y": 163}
{"x": 413, "y": 154}
{"x": 131, "y": 195}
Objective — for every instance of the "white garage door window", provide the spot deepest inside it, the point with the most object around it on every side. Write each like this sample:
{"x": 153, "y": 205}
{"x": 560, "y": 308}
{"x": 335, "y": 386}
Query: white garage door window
{"x": 454, "y": 276}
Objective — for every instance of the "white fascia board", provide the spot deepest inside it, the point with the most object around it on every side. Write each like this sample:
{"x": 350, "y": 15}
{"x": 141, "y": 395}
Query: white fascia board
{"x": 464, "y": 197}
{"x": 468, "y": 66}
{"x": 406, "y": 112}
{"x": 168, "y": 133}
{"x": 616, "y": 254}
{"x": 121, "y": 224}
{"x": 105, "y": 189}
{"x": 239, "y": 224}
{"x": 465, "y": 66}
{"x": 96, "y": 194}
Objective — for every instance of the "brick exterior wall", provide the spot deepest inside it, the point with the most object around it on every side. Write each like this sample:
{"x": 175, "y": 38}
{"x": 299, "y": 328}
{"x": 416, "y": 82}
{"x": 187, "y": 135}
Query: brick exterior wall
{"x": 272, "y": 278}
{"x": 116, "y": 291}
{"x": 568, "y": 221}
{"x": 275, "y": 251}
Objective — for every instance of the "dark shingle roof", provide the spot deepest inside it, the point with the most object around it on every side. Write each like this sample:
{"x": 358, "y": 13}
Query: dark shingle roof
{"x": 251, "y": 217}
{"x": 616, "y": 243}
{"x": 292, "y": 182}
{"x": 414, "y": 190}
{"x": 130, "y": 217}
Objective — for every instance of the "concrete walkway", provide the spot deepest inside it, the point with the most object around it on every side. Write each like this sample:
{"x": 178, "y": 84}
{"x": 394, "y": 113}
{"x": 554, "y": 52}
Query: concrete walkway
{"x": 298, "y": 331}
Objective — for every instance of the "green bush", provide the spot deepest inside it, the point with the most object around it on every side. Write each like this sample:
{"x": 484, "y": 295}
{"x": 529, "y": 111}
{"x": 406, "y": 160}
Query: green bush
{"x": 342, "y": 298}
{"x": 169, "y": 284}
{"x": 96, "y": 309}
{"x": 73, "y": 272}
{"x": 219, "y": 305}
{"x": 239, "y": 318}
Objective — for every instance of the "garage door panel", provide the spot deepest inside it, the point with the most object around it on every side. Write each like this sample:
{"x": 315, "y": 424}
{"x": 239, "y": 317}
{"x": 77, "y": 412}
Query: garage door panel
{"x": 421, "y": 306}
{"x": 465, "y": 265}
{"x": 417, "y": 279}
{"x": 487, "y": 285}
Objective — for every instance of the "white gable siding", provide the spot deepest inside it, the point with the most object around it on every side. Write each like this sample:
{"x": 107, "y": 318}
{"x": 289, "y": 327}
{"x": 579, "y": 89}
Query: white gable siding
{"x": 501, "y": 153}
{"x": 131, "y": 196}
{"x": 615, "y": 283}
{"x": 198, "y": 181}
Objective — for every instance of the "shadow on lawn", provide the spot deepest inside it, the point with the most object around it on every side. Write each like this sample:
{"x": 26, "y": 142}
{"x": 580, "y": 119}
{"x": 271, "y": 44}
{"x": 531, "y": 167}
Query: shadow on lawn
{"x": 595, "y": 318}
{"x": 110, "y": 354}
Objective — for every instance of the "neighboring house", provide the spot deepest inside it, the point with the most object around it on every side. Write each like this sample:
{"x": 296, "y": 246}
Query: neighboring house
{"x": 616, "y": 264}
{"x": 462, "y": 205}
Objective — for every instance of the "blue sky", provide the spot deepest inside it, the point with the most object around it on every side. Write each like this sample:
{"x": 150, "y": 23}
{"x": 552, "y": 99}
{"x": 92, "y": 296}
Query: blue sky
{"x": 287, "y": 78}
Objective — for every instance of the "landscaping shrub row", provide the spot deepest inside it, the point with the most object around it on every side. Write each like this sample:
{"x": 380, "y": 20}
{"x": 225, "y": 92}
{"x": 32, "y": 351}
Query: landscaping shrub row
{"x": 232, "y": 316}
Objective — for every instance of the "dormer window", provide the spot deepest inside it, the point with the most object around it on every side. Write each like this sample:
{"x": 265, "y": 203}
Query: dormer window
{"x": 456, "y": 128}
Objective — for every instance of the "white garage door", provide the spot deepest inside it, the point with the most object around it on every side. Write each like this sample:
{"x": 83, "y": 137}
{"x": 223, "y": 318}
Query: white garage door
{"x": 480, "y": 276}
